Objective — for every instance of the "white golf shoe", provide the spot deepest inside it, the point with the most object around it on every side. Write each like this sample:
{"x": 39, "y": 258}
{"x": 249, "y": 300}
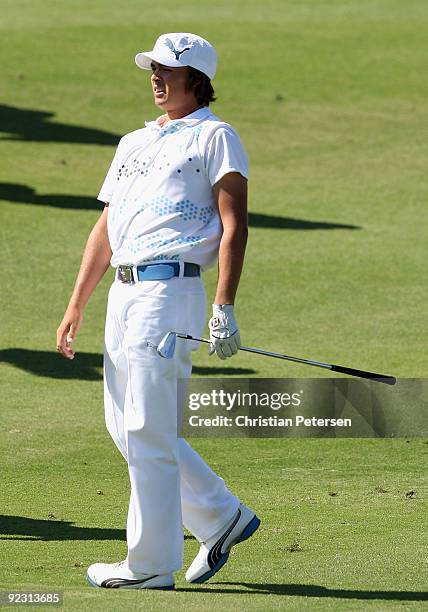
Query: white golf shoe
{"x": 214, "y": 553}
{"x": 118, "y": 576}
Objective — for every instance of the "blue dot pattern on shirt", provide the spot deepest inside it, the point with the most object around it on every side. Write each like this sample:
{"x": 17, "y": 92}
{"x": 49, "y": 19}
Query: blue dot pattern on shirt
{"x": 186, "y": 210}
{"x": 143, "y": 168}
{"x": 156, "y": 241}
{"x": 171, "y": 129}
{"x": 133, "y": 168}
{"x": 161, "y": 226}
{"x": 165, "y": 258}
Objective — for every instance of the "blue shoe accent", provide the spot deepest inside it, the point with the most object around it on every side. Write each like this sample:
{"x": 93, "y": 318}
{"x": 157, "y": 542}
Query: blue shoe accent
{"x": 213, "y": 571}
{"x": 252, "y": 526}
{"x": 92, "y": 584}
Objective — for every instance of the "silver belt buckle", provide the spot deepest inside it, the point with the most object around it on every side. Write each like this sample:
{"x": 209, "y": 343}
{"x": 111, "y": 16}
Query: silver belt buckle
{"x": 124, "y": 274}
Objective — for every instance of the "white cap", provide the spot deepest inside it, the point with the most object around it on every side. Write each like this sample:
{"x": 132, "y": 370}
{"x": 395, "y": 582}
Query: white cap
{"x": 181, "y": 49}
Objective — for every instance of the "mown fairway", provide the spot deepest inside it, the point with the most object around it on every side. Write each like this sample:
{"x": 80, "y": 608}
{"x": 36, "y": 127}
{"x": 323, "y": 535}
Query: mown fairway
{"x": 330, "y": 101}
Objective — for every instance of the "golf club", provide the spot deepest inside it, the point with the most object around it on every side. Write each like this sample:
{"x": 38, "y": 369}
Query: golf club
{"x": 166, "y": 349}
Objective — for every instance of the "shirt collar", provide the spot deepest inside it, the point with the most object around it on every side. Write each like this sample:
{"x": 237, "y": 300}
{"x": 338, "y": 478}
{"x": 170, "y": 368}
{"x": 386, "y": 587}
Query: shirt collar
{"x": 196, "y": 117}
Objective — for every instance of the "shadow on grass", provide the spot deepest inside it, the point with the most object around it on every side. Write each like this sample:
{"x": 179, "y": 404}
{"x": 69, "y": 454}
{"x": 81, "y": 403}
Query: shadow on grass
{"x": 22, "y": 194}
{"x": 308, "y": 590}
{"x": 39, "y": 529}
{"x": 85, "y": 366}
{"x": 289, "y": 223}
{"x": 37, "y": 126}
{"x": 25, "y": 528}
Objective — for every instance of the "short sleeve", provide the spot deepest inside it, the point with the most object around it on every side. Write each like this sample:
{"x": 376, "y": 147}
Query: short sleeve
{"x": 109, "y": 185}
{"x": 225, "y": 153}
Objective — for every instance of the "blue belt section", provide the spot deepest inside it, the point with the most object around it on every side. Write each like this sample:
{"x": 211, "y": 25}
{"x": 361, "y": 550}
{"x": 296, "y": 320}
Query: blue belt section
{"x": 164, "y": 271}
{"x": 161, "y": 271}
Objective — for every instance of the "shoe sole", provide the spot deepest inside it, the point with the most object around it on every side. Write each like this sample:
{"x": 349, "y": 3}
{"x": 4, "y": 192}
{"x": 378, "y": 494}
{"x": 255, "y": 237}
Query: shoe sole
{"x": 169, "y": 587}
{"x": 252, "y": 526}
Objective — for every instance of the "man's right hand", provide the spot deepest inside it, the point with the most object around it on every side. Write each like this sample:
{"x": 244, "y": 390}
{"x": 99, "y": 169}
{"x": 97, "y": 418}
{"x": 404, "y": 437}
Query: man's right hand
{"x": 66, "y": 332}
{"x": 95, "y": 263}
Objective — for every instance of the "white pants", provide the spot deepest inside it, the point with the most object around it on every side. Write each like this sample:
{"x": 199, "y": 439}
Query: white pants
{"x": 170, "y": 483}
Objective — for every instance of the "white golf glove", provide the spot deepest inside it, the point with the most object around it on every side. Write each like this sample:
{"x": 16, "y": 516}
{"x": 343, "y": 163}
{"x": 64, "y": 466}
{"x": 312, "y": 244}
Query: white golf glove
{"x": 224, "y": 332}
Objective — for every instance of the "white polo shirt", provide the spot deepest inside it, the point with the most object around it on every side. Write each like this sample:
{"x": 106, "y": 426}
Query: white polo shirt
{"x": 159, "y": 187}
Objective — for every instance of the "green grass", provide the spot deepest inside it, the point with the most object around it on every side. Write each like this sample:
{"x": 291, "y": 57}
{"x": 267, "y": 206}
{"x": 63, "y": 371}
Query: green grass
{"x": 330, "y": 101}
{"x": 342, "y": 503}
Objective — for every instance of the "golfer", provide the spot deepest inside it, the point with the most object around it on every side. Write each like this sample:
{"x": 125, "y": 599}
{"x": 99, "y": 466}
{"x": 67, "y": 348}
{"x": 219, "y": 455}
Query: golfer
{"x": 175, "y": 200}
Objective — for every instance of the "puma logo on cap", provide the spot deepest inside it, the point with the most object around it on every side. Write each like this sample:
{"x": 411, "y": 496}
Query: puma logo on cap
{"x": 178, "y": 53}
{"x": 169, "y": 48}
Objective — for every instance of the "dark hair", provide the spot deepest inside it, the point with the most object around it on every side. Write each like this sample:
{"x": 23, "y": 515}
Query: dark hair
{"x": 201, "y": 85}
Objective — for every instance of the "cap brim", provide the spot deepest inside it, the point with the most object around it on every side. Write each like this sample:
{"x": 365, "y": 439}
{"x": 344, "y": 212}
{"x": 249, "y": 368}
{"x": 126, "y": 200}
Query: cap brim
{"x": 144, "y": 60}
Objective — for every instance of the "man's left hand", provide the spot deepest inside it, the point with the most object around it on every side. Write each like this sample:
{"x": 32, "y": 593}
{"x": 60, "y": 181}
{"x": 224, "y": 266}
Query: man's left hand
{"x": 224, "y": 332}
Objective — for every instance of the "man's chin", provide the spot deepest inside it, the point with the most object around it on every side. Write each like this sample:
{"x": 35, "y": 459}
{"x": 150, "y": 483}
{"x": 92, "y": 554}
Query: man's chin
{"x": 160, "y": 102}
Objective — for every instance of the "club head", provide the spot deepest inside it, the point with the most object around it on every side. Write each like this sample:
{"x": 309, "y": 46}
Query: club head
{"x": 166, "y": 347}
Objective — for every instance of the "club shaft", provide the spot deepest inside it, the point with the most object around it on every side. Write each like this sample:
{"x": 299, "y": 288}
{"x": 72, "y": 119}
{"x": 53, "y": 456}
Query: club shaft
{"x": 250, "y": 349}
{"x": 389, "y": 380}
